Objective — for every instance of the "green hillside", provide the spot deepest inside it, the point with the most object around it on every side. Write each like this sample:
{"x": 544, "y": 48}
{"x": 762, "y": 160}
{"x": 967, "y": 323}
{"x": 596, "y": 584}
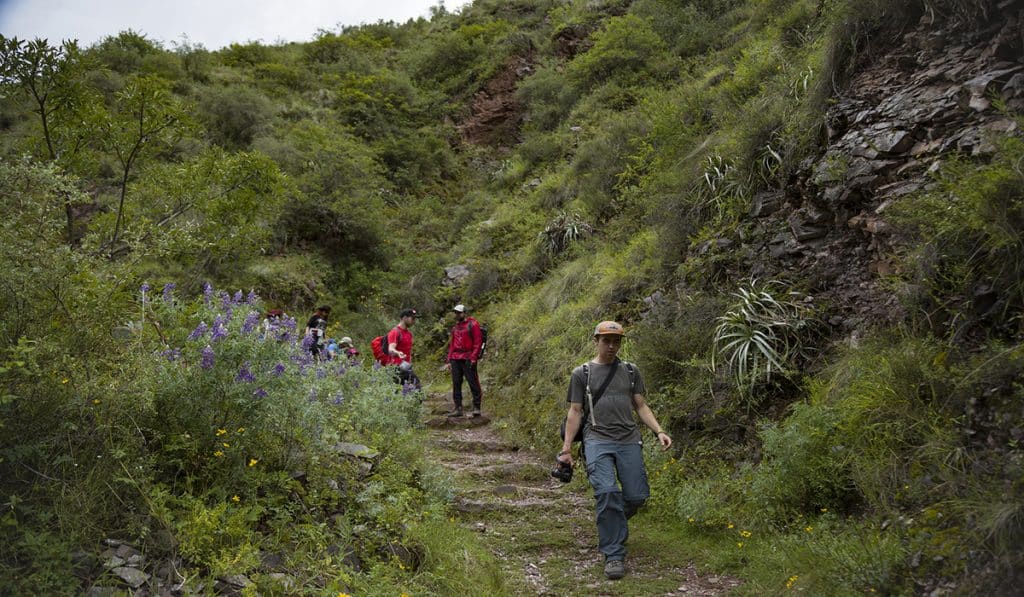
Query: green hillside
{"x": 809, "y": 214}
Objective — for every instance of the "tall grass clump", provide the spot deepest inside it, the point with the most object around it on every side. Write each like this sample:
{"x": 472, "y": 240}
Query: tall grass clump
{"x": 970, "y": 231}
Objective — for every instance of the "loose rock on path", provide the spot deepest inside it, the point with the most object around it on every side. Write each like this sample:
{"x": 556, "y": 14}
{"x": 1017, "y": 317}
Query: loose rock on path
{"x": 542, "y": 531}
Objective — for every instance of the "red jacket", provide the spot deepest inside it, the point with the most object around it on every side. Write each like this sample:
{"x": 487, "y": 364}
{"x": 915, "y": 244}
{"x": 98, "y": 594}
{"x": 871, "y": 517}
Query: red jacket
{"x": 465, "y": 340}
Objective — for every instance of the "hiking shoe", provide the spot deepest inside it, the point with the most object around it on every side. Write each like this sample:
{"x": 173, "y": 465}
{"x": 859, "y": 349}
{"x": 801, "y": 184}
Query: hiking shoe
{"x": 455, "y": 413}
{"x": 476, "y": 412}
{"x": 614, "y": 569}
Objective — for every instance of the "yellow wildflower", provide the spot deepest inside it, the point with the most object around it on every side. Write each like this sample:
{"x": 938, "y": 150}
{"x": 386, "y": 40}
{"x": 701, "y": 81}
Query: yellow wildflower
{"x": 730, "y": 526}
{"x": 739, "y": 544}
{"x": 96, "y": 401}
{"x": 241, "y": 430}
{"x": 253, "y": 461}
{"x": 808, "y": 528}
{"x": 791, "y": 581}
{"x": 745, "y": 534}
{"x": 235, "y": 498}
{"x": 65, "y": 380}
{"x": 221, "y": 432}
{"x": 218, "y": 453}
{"x": 690, "y": 519}
{"x": 824, "y": 509}
{"x": 225, "y": 444}
{"x": 344, "y": 595}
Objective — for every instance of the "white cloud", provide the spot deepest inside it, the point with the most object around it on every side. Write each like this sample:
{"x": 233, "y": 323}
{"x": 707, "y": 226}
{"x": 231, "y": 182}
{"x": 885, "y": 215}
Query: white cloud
{"x": 213, "y": 23}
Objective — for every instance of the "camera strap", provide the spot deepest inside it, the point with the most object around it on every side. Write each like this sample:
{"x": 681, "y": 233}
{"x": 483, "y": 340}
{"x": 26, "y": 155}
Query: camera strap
{"x": 595, "y": 396}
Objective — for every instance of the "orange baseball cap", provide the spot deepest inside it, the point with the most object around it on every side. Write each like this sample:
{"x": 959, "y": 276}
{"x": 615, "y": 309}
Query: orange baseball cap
{"x": 609, "y": 328}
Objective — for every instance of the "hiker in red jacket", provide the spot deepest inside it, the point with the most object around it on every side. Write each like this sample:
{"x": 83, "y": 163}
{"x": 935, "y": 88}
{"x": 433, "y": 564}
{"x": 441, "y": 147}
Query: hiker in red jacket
{"x": 463, "y": 353}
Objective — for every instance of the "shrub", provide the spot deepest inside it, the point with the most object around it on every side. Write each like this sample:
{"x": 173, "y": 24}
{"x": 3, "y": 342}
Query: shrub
{"x": 234, "y": 116}
{"x": 626, "y": 50}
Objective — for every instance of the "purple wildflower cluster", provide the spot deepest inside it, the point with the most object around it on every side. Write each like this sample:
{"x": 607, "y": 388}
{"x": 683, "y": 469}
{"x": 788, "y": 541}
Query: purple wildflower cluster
{"x": 145, "y": 288}
{"x": 220, "y": 329}
{"x": 207, "y": 358}
{"x": 252, "y": 297}
{"x": 259, "y": 393}
{"x": 199, "y": 332}
{"x": 245, "y": 374}
{"x": 169, "y": 292}
{"x": 278, "y": 369}
{"x": 338, "y": 399}
{"x": 172, "y": 354}
{"x": 207, "y": 293}
{"x": 251, "y": 321}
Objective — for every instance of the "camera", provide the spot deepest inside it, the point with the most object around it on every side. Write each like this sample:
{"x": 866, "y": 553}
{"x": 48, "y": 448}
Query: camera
{"x": 562, "y": 471}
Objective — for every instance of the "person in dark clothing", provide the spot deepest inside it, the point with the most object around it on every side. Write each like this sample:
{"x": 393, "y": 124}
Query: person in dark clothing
{"x": 316, "y": 329}
{"x": 611, "y": 440}
{"x": 463, "y": 354}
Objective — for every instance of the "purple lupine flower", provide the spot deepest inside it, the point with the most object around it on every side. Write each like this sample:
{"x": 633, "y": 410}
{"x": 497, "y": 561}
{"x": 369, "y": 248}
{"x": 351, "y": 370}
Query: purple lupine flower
{"x": 199, "y": 332}
{"x": 169, "y": 292}
{"x": 408, "y": 388}
{"x": 252, "y": 297}
{"x": 338, "y": 398}
{"x": 259, "y": 393}
{"x": 171, "y": 354}
{"x": 206, "y": 362}
{"x": 145, "y": 287}
{"x": 245, "y": 374}
{"x": 377, "y": 366}
{"x": 307, "y": 341}
{"x": 321, "y": 373}
{"x": 289, "y": 322}
{"x": 278, "y": 369}
{"x": 207, "y": 293}
{"x": 219, "y": 330}
{"x": 251, "y": 321}
{"x": 229, "y": 312}
{"x": 237, "y": 298}
{"x": 225, "y": 299}
{"x": 340, "y": 372}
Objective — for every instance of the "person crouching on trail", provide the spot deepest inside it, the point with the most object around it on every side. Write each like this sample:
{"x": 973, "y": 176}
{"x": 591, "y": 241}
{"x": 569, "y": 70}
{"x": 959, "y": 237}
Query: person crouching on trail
{"x": 400, "y": 348}
{"x": 463, "y": 353}
{"x": 611, "y": 440}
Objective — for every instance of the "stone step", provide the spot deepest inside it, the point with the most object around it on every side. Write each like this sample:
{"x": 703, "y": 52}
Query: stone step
{"x": 512, "y": 471}
{"x": 457, "y": 422}
{"x": 474, "y": 446}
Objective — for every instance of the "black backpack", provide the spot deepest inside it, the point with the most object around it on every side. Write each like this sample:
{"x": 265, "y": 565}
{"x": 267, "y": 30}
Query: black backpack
{"x": 595, "y": 396}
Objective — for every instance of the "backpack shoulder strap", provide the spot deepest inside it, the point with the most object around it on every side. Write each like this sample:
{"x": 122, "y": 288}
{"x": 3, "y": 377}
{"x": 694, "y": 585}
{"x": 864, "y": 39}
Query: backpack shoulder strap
{"x": 631, "y": 369}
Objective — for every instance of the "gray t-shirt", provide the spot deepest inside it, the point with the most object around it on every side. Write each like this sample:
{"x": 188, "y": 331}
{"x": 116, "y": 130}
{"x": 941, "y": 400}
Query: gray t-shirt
{"x": 613, "y": 414}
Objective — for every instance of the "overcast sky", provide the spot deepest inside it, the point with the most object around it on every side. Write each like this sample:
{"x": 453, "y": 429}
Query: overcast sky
{"x": 213, "y": 23}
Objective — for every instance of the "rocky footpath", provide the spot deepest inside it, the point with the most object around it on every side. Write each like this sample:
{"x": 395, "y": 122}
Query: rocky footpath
{"x": 542, "y": 531}
{"x": 936, "y": 92}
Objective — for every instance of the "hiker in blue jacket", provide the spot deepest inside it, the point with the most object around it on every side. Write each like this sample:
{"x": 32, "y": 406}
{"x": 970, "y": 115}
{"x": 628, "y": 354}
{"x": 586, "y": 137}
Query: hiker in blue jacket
{"x": 603, "y": 395}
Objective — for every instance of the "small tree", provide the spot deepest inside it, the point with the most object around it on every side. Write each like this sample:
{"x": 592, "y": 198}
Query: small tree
{"x": 144, "y": 119}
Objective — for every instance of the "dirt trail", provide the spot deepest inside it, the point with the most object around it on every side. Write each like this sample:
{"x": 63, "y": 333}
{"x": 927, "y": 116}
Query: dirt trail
{"x": 541, "y": 531}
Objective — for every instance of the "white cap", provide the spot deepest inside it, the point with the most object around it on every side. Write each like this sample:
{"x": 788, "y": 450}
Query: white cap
{"x": 460, "y": 308}
{"x": 345, "y": 341}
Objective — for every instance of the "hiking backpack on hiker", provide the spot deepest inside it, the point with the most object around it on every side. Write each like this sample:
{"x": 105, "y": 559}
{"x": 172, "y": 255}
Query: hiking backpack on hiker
{"x": 593, "y": 397}
{"x": 379, "y": 348}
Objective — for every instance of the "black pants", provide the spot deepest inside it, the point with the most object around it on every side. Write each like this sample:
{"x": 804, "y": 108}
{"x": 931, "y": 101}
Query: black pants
{"x": 463, "y": 368}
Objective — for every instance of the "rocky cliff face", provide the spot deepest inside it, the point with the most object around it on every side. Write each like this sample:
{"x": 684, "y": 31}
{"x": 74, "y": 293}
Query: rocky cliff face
{"x": 933, "y": 94}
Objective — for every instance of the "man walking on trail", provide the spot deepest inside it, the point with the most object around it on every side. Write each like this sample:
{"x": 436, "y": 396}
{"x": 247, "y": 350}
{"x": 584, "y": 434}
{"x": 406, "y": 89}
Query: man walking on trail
{"x": 316, "y": 328}
{"x": 463, "y": 353}
{"x": 604, "y": 406}
{"x": 400, "y": 347}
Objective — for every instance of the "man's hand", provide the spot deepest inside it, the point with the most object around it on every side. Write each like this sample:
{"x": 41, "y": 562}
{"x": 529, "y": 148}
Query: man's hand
{"x": 565, "y": 458}
{"x": 446, "y": 367}
{"x": 664, "y": 440}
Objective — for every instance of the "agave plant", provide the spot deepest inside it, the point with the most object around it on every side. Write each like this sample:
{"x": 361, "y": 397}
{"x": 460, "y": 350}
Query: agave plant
{"x": 760, "y": 335}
